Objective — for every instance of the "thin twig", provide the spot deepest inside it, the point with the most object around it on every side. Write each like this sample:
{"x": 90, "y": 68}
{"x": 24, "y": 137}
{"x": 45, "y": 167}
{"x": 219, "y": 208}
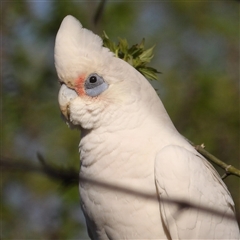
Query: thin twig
{"x": 182, "y": 204}
{"x": 229, "y": 169}
{"x": 70, "y": 176}
{"x": 99, "y": 11}
{"x": 67, "y": 176}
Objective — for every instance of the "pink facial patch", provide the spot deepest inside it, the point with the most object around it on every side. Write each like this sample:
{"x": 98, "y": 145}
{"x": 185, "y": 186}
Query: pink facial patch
{"x": 79, "y": 85}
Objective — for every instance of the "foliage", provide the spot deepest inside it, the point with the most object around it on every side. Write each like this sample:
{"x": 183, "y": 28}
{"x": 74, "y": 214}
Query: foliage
{"x": 136, "y": 55}
{"x": 198, "y": 51}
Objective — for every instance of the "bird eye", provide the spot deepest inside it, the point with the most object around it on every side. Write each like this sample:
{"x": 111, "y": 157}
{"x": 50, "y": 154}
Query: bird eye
{"x": 95, "y": 85}
{"x": 93, "y": 79}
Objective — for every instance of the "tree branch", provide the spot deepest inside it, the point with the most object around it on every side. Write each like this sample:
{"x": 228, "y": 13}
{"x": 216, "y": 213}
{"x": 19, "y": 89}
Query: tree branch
{"x": 67, "y": 176}
{"x": 70, "y": 176}
{"x": 229, "y": 169}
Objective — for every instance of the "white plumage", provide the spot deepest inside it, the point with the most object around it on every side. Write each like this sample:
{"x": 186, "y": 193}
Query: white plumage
{"x": 129, "y": 140}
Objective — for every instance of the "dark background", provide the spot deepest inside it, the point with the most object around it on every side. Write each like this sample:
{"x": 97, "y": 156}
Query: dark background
{"x": 197, "y": 51}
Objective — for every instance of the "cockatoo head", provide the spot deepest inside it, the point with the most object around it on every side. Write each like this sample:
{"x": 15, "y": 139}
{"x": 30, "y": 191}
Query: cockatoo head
{"x": 97, "y": 87}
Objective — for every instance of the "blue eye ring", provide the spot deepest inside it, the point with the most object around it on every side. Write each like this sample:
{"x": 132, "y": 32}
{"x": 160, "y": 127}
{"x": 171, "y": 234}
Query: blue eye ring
{"x": 95, "y": 85}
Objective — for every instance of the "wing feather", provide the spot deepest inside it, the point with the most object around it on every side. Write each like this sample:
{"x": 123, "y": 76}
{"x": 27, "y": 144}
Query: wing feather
{"x": 184, "y": 175}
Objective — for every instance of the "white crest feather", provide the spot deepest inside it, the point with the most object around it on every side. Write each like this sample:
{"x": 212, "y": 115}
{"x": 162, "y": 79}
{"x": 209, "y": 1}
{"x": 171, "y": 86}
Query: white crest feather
{"x": 77, "y": 48}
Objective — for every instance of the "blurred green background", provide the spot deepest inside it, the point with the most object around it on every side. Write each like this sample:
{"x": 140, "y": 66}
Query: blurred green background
{"x": 197, "y": 51}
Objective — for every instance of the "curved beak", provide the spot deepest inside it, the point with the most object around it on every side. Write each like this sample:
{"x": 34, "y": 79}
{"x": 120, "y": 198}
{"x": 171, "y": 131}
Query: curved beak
{"x": 65, "y": 96}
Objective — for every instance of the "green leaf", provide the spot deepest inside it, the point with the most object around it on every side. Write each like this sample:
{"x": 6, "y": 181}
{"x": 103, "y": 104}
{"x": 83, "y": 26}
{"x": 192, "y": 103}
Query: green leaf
{"x": 136, "y": 55}
{"x": 149, "y": 72}
{"x": 147, "y": 55}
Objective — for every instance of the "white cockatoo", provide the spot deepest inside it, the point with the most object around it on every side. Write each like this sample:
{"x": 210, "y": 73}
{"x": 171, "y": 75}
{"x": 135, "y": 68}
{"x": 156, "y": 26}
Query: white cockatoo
{"x": 129, "y": 141}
